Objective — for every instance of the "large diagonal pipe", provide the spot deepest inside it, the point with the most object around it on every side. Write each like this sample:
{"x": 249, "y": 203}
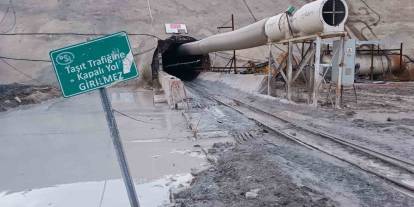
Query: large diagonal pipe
{"x": 312, "y": 18}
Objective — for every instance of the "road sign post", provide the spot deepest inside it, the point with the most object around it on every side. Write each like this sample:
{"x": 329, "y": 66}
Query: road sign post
{"x": 93, "y": 65}
{"x": 120, "y": 153}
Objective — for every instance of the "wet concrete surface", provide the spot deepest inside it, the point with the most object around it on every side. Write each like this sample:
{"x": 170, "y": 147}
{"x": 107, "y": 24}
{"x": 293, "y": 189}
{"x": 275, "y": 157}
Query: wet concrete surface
{"x": 59, "y": 153}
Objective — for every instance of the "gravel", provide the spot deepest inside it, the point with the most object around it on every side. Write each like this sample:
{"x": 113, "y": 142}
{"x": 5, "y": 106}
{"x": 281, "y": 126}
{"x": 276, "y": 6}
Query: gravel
{"x": 269, "y": 170}
{"x": 260, "y": 173}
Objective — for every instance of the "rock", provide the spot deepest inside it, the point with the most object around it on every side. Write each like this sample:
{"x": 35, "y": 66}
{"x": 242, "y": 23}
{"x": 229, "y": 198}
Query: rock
{"x": 212, "y": 151}
{"x": 350, "y": 113}
{"x": 18, "y": 99}
{"x": 195, "y": 171}
{"x": 252, "y": 194}
{"x": 211, "y": 159}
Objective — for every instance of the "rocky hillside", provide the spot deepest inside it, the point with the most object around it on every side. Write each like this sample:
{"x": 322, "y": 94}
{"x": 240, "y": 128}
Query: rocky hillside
{"x": 148, "y": 17}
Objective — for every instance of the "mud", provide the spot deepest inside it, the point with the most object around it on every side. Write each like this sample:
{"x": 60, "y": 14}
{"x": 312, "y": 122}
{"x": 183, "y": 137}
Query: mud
{"x": 268, "y": 170}
{"x": 240, "y": 171}
{"x": 14, "y": 95}
{"x": 381, "y": 119}
{"x": 283, "y": 174}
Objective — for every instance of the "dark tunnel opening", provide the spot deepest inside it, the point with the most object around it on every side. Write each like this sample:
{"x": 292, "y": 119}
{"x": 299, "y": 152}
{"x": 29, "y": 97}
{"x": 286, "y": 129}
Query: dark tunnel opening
{"x": 334, "y": 12}
{"x": 186, "y": 68}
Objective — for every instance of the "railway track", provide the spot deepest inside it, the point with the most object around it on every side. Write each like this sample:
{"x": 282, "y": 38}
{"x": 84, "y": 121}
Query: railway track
{"x": 398, "y": 172}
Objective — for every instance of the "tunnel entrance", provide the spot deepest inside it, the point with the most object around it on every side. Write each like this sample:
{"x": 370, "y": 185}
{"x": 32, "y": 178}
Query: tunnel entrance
{"x": 186, "y": 67}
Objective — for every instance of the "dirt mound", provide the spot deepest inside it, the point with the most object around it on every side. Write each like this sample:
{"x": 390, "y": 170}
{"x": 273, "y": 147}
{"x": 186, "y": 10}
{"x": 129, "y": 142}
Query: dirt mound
{"x": 13, "y": 95}
{"x": 239, "y": 179}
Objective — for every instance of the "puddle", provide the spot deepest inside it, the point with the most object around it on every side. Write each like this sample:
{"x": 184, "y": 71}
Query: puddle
{"x": 190, "y": 153}
{"x": 64, "y": 151}
{"x": 105, "y": 194}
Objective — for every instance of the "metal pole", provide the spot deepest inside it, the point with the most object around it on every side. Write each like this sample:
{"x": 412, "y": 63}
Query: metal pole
{"x": 269, "y": 77}
{"x": 116, "y": 140}
{"x": 316, "y": 76}
{"x": 339, "y": 81}
{"x": 372, "y": 62}
{"x": 303, "y": 50}
{"x": 234, "y": 51}
{"x": 401, "y": 56}
{"x": 289, "y": 72}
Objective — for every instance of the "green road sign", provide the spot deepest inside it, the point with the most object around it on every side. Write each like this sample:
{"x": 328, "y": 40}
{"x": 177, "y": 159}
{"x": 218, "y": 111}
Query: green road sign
{"x": 94, "y": 64}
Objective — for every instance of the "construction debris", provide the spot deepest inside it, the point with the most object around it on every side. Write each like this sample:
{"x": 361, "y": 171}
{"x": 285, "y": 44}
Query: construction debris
{"x": 14, "y": 95}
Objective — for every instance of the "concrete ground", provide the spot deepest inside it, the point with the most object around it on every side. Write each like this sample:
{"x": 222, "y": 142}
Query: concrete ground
{"x": 59, "y": 153}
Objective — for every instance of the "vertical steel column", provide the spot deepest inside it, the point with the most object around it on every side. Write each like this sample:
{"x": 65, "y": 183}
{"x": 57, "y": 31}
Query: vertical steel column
{"x": 303, "y": 50}
{"x": 234, "y": 51}
{"x": 160, "y": 64}
{"x": 372, "y": 62}
{"x": 401, "y": 56}
{"x": 339, "y": 88}
{"x": 316, "y": 72}
{"x": 289, "y": 71}
{"x": 269, "y": 75}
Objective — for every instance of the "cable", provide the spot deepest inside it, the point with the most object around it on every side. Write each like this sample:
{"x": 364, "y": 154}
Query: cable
{"x": 290, "y": 30}
{"x": 250, "y": 11}
{"x": 379, "y": 16}
{"x": 73, "y": 34}
{"x": 48, "y": 61}
{"x": 151, "y": 17}
{"x": 241, "y": 56}
{"x": 24, "y": 59}
{"x": 5, "y": 14}
{"x": 374, "y": 24}
{"x": 144, "y": 52}
{"x": 19, "y": 71}
{"x": 150, "y": 12}
{"x": 277, "y": 47}
{"x": 14, "y": 17}
{"x": 409, "y": 58}
{"x": 103, "y": 193}
{"x": 289, "y": 26}
{"x": 11, "y": 6}
{"x": 3, "y": 59}
{"x": 228, "y": 21}
{"x": 130, "y": 117}
{"x": 367, "y": 26}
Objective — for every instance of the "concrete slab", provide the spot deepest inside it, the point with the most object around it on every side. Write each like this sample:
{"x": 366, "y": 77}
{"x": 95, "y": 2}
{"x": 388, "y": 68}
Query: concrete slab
{"x": 173, "y": 88}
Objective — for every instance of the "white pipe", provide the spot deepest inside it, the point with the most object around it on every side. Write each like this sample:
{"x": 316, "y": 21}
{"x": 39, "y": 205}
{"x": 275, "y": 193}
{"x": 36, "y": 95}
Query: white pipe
{"x": 247, "y": 37}
{"x": 306, "y": 21}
